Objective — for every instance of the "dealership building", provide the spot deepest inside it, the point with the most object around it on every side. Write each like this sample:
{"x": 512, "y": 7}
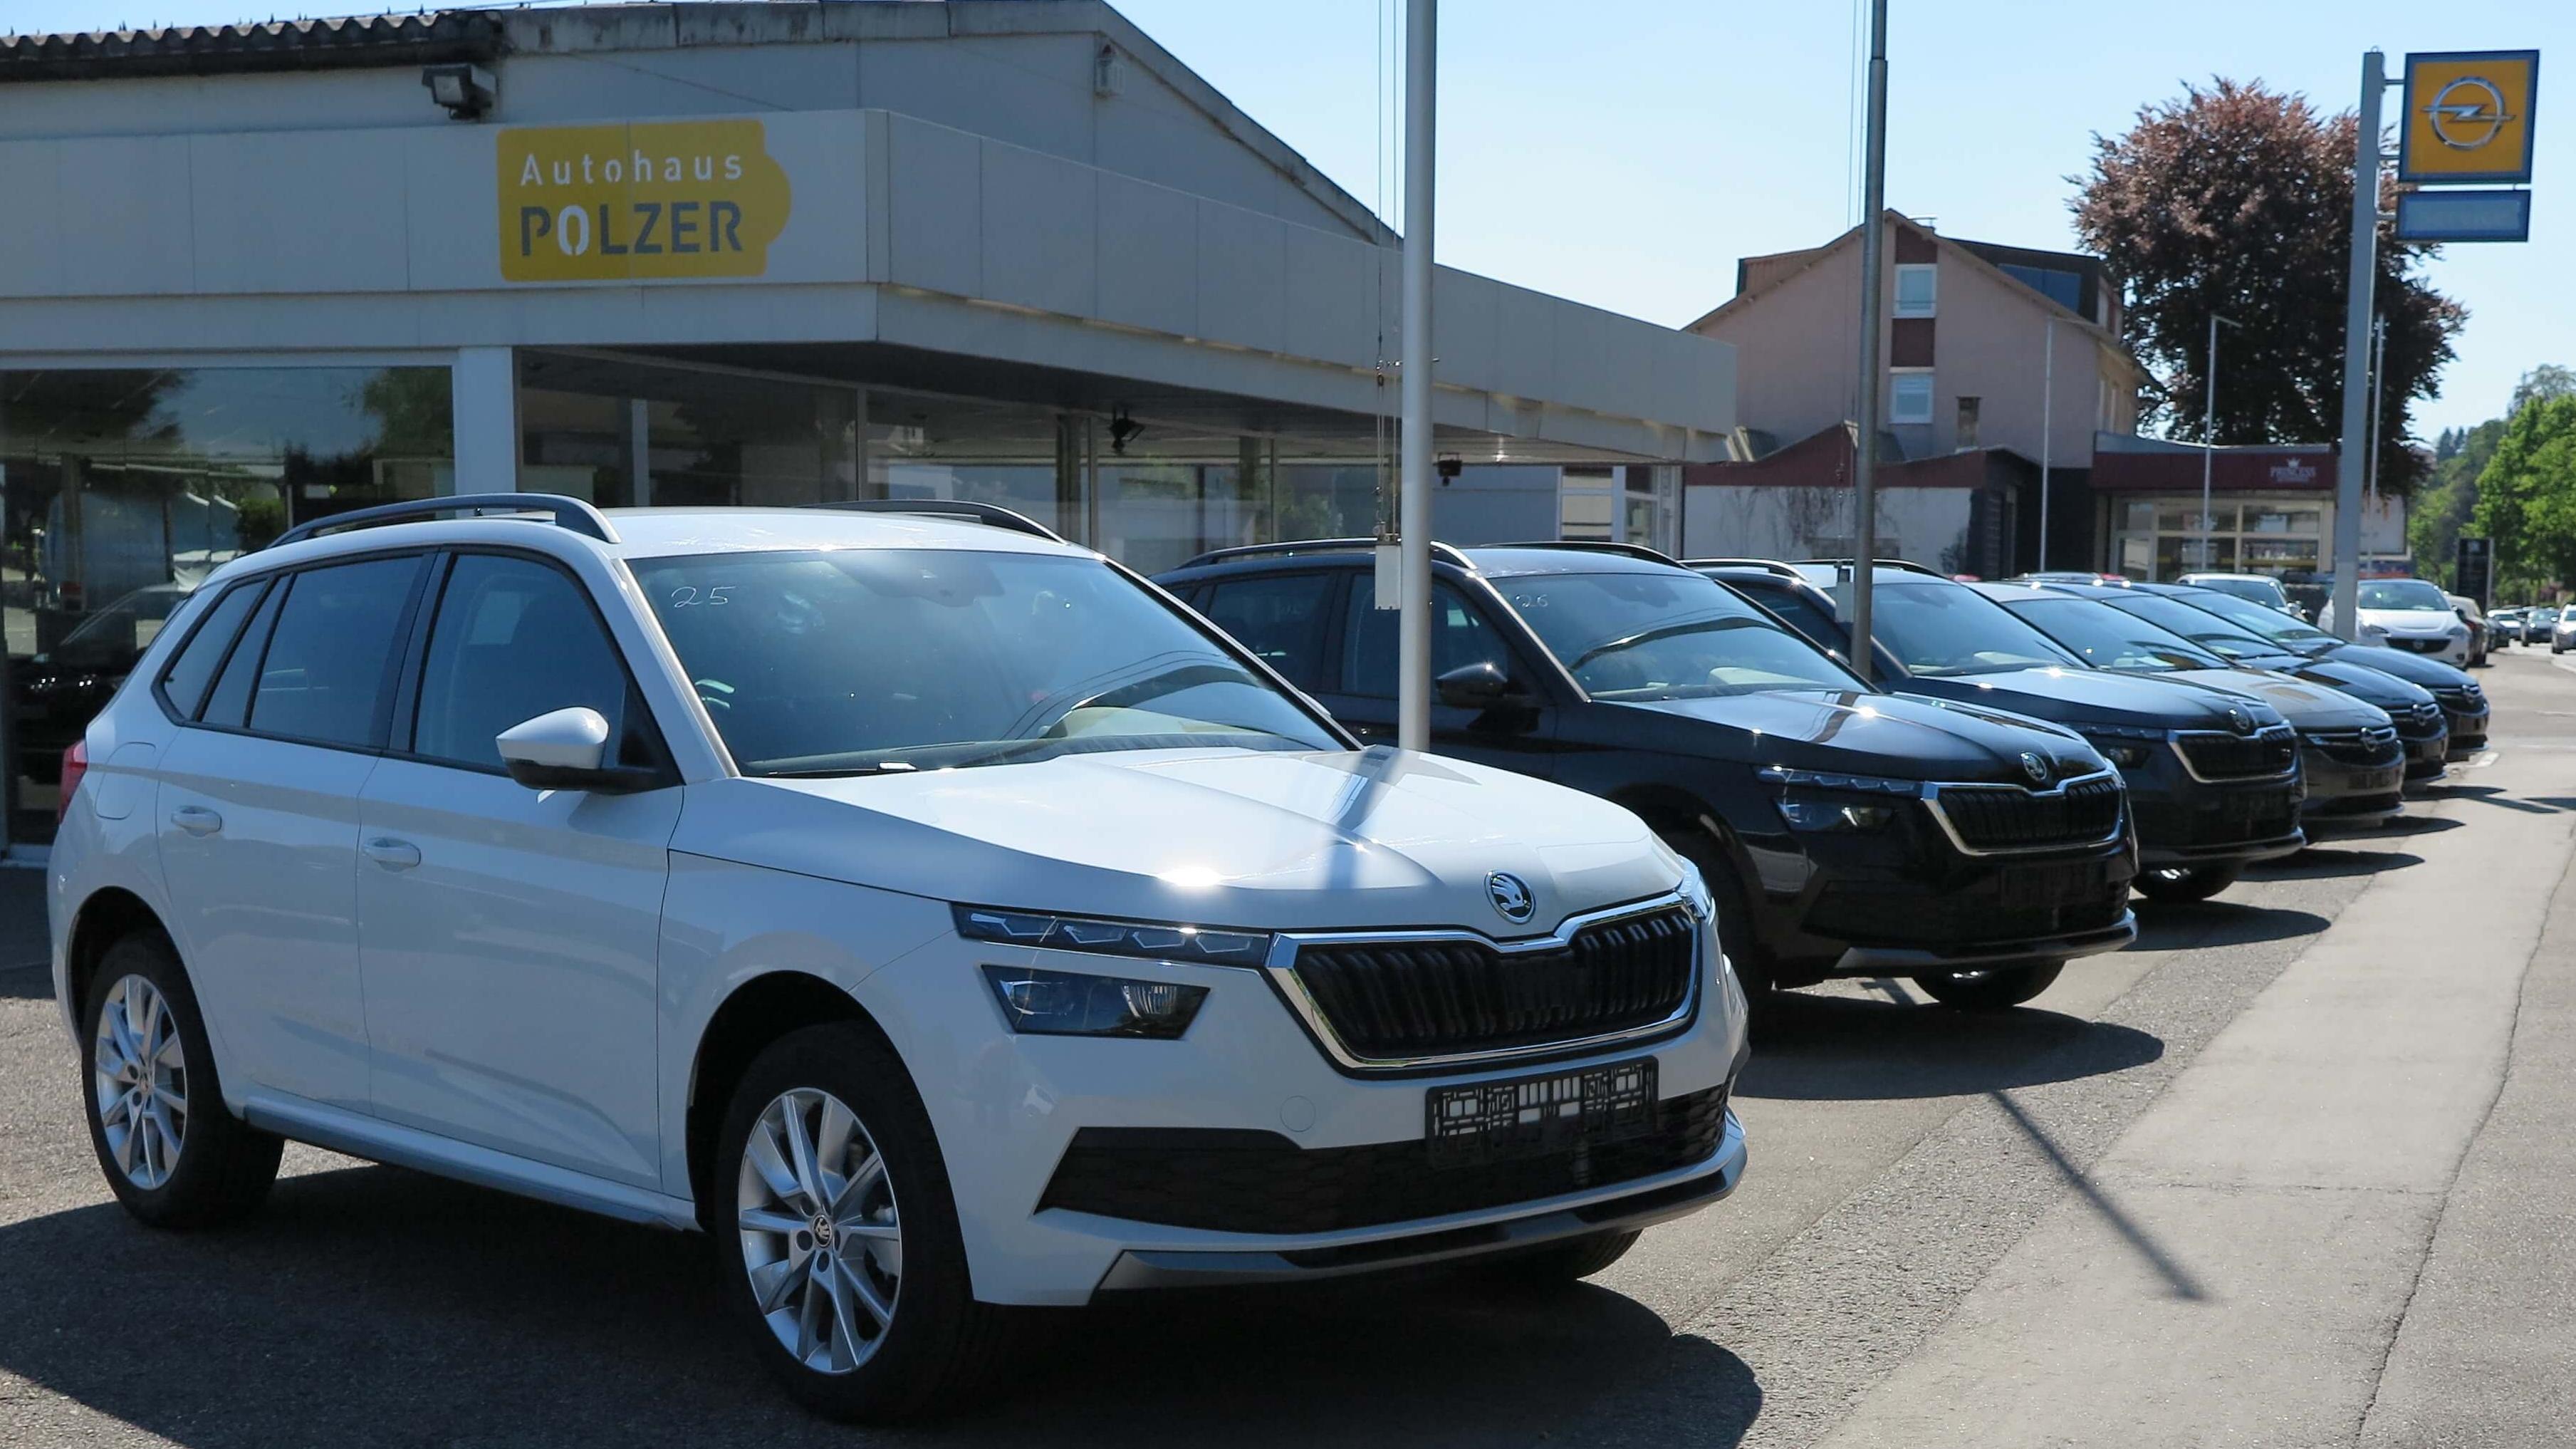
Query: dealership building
{"x": 730, "y": 254}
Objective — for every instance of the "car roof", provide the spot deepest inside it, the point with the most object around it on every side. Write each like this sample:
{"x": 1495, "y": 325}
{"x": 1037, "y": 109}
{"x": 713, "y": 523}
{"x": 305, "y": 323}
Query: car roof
{"x": 2011, "y": 593}
{"x": 1493, "y": 561}
{"x": 1510, "y": 560}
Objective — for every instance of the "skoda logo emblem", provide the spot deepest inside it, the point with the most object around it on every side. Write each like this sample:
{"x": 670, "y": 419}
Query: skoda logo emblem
{"x": 1512, "y": 897}
{"x": 2035, "y": 767}
{"x": 2239, "y": 721}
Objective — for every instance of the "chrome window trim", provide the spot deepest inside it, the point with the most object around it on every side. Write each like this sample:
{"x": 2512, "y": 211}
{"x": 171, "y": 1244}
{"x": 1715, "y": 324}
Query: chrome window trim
{"x": 1282, "y": 970}
{"x": 1941, "y": 817}
{"x": 2178, "y": 736}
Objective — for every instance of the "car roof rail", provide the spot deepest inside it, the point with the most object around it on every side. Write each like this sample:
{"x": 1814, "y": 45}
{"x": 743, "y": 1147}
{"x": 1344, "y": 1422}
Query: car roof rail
{"x": 1765, "y": 565}
{"x": 963, "y": 508}
{"x": 1439, "y": 550}
{"x": 1593, "y": 545}
{"x": 562, "y": 511}
{"x": 1908, "y": 566}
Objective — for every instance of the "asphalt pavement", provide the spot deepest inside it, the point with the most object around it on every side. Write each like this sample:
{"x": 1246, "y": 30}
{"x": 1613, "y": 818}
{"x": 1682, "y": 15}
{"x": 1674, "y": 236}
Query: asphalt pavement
{"x": 2292, "y": 1171}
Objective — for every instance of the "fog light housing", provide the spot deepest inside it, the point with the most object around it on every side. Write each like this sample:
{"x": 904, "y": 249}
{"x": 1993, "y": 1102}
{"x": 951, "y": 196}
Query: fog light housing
{"x": 1068, "y": 1003}
{"x": 1807, "y": 813}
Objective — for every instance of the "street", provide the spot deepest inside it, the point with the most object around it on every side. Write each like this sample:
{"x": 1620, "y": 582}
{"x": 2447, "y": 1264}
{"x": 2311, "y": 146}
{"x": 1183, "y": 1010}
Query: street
{"x": 2291, "y": 1171}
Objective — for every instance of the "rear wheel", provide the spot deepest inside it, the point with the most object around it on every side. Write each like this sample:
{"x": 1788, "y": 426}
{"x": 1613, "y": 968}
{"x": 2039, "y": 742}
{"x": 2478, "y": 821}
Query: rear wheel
{"x": 172, "y": 1154}
{"x": 1994, "y": 990}
{"x": 2174, "y": 883}
{"x": 1560, "y": 1264}
{"x": 845, "y": 1262}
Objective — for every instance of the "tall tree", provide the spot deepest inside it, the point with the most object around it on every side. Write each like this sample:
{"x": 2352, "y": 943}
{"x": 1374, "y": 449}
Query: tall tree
{"x": 2548, "y": 380}
{"x": 2527, "y": 493}
{"x": 2237, "y": 200}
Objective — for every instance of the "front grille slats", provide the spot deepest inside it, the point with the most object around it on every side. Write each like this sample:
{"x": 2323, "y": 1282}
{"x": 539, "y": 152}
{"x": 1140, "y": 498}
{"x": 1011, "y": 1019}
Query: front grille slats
{"x": 2363, "y": 748}
{"x": 2009, "y": 818}
{"x": 1237, "y": 1181}
{"x": 1389, "y": 1000}
{"x": 2240, "y": 757}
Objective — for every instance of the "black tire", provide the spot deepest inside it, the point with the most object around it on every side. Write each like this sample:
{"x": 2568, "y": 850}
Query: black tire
{"x": 2173, "y": 884}
{"x": 223, "y": 1167}
{"x": 938, "y": 1339}
{"x": 1753, "y": 969}
{"x": 1560, "y": 1265}
{"x": 1997, "y": 990}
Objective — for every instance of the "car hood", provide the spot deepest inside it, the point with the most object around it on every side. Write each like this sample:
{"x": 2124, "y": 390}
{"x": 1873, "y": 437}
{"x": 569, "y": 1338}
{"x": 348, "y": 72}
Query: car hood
{"x": 2413, "y": 668}
{"x": 1254, "y": 839}
{"x": 2362, "y": 682}
{"x": 2414, "y": 623}
{"x": 2078, "y": 697}
{"x": 2308, "y": 707}
{"x": 1901, "y": 736}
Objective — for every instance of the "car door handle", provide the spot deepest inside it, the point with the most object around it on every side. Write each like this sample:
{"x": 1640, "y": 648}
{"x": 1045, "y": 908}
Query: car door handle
{"x": 392, "y": 854}
{"x": 196, "y": 820}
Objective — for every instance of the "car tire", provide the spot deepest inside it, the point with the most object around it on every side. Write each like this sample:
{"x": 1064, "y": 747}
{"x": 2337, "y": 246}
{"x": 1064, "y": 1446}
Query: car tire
{"x": 914, "y": 1336}
{"x": 1753, "y": 969}
{"x": 1560, "y": 1265}
{"x": 171, "y": 1151}
{"x": 1995, "y": 990}
{"x": 2173, "y": 884}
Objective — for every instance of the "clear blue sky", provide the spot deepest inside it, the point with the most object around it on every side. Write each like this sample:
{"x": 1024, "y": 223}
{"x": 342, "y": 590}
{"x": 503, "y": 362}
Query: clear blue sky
{"x": 1626, "y": 152}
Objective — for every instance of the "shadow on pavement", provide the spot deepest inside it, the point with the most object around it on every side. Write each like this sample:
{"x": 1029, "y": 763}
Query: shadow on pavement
{"x": 2318, "y": 862}
{"x": 2197, "y": 925}
{"x": 378, "y": 1306}
{"x": 1835, "y": 1048}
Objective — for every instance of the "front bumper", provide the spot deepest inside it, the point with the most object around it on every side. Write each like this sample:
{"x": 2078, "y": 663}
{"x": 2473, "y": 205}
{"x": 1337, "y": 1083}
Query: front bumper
{"x": 1008, "y": 1108}
{"x": 2183, "y": 819}
{"x": 2468, "y": 725}
{"x": 2350, "y": 793}
{"x": 1908, "y": 960}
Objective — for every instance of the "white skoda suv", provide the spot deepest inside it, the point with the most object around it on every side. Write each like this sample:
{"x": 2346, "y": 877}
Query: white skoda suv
{"x": 929, "y": 910}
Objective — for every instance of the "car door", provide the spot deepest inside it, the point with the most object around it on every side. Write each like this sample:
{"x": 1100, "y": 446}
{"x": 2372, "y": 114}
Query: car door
{"x": 508, "y": 936}
{"x": 1360, "y": 689}
{"x": 258, "y": 807}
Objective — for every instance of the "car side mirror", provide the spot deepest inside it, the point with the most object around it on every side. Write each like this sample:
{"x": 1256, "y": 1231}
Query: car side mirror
{"x": 565, "y": 750}
{"x": 1478, "y": 686}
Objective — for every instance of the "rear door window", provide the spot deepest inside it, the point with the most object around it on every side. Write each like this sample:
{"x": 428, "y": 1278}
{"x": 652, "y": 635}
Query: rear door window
{"x": 329, "y": 658}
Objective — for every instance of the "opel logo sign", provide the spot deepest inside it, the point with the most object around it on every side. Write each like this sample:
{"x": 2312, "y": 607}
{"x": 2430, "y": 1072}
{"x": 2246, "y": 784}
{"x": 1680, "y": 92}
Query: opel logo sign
{"x": 2035, "y": 767}
{"x": 2467, "y": 113}
{"x": 1513, "y": 900}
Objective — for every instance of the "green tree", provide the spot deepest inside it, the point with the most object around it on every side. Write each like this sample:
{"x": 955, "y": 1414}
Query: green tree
{"x": 2444, "y": 506}
{"x": 2237, "y": 200}
{"x": 2548, "y": 380}
{"x": 2527, "y": 494}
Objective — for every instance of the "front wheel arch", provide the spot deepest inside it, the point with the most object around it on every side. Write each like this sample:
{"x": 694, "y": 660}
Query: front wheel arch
{"x": 757, "y": 1013}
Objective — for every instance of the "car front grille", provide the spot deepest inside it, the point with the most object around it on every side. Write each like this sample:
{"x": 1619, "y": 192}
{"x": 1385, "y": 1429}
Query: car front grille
{"x": 2074, "y": 899}
{"x": 1237, "y": 1181}
{"x": 2213, "y": 818}
{"x": 2240, "y": 757}
{"x": 2419, "y": 646}
{"x": 2418, "y": 721}
{"x": 2361, "y": 748}
{"x": 1393, "y": 1000}
{"x": 2006, "y": 817}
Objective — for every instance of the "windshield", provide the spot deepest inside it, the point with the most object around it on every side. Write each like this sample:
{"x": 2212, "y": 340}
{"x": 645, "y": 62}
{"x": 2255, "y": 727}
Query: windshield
{"x": 1647, "y": 636}
{"x": 2111, "y": 639}
{"x": 1949, "y": 629}
{"x": 2411, "y": 595}
{"x": 864, "y": 660}
{"x": 2261, "y": 591}
{"x": 2200, "y": 627}
{"x": 2278, "y": 627}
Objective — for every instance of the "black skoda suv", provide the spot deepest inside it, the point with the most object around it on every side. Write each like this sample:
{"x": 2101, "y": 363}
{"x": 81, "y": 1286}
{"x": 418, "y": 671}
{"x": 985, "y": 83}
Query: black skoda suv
{"x": 1845, "y": 831}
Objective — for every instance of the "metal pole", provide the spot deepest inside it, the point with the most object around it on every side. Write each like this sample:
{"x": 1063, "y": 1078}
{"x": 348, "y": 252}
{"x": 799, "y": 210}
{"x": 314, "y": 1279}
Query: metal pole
{"x": 2208, "y": 437}
{"x": 2047, "y": 393}
{"x": 1413, "y": 503}
{"x": 2378, "y": 396}
{"x": 2350, "y": 459}
{"x": 1865, "y": 455}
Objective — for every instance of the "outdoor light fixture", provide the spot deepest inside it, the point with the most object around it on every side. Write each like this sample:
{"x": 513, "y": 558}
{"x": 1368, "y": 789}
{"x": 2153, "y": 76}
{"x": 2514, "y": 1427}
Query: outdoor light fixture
{"x": 1122, "y": 431}
{"x": 1449, "y": 467}
{"x": 466, "y": 91}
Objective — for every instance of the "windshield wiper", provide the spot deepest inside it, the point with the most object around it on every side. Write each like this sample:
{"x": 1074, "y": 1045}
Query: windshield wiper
{"x": 1660, "y": 631}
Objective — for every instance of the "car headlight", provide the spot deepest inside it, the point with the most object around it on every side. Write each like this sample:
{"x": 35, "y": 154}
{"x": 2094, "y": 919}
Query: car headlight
{"x": 1151, "y": 940}
{"x": 2127, "y": 746}
{"x": 1071, "y": 1003}
{"x": 1808, "y": 799}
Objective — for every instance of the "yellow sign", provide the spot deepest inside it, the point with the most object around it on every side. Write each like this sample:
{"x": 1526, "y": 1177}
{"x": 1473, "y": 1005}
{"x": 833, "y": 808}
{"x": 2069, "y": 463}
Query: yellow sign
{"x": 2468, "y": 117}
{"x": 645, "y": 200}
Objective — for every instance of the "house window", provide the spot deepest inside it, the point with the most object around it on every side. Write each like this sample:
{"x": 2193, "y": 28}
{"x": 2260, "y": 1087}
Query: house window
{"x": 1968, "y": 422}
{"x": 1909, "y": 397}
{"x": 1918, "y": 286}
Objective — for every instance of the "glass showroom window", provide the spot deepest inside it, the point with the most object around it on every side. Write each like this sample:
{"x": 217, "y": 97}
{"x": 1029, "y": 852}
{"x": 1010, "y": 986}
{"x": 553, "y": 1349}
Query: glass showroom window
{"x": 121, "y": 489}
{"x": 1909, "y": 397}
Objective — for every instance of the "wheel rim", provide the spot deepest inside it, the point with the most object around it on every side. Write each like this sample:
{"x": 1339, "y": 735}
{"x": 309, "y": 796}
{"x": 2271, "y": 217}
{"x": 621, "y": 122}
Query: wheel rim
{"x": 139, "y": 1082}
{"x": 821, "y": 1243}
{"x": 2171, "y": 874}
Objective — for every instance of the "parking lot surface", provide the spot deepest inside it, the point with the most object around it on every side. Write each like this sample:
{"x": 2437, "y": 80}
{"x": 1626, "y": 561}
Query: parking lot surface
{"x": 2293, "y": 1170}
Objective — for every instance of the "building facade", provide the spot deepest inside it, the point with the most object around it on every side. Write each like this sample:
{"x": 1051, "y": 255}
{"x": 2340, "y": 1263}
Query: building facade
{"x": 1007, "y": 250}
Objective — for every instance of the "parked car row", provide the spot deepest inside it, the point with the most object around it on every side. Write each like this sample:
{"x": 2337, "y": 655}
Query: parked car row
{"x": 943, "y": 918}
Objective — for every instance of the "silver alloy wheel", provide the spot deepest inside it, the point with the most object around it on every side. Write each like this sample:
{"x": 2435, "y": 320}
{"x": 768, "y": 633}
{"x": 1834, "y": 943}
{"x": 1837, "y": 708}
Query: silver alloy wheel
{"x": 139, "y": 1082}
{"x": 820, "y": 1239}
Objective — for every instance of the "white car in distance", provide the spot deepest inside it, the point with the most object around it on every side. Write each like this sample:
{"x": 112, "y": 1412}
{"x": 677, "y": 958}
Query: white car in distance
{"x": 2410, "y": 614}
{"x": 930, "y": 910}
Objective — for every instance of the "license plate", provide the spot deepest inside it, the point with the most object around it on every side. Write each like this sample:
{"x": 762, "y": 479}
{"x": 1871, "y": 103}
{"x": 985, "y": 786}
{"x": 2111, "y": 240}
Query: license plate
{"x": 2372, "y": 782}
{"x": 2028, "y": 887}
{"x": 1536, "y": 1116}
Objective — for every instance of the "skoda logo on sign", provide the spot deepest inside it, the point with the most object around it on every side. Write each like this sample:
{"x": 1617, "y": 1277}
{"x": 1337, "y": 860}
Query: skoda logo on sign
{"x": 2035, "y": 767}
{"x": 2239, "y": 721}
{"x": 1513, "y": 900}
